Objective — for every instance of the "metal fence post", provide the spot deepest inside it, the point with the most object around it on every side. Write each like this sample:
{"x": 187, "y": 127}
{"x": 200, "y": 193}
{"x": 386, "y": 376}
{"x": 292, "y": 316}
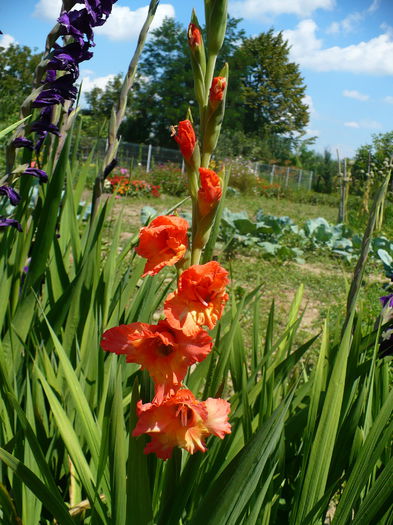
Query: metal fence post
{"x": 148, "y": 158}
{"x": 299, "y": 180}
{"x": 287, "y": 177}
{"x": 272, "y": 174}
{"x": 310, "y": 181}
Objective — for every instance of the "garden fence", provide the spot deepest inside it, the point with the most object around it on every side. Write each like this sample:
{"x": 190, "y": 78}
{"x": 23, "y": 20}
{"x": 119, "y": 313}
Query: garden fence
{"x": 131, "y": 155}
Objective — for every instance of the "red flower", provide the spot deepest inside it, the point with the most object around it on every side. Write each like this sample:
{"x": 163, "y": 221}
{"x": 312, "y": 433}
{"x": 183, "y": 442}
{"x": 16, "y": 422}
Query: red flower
{"x": 217, "y": 89}
{"x": 200, "y": 298}
{"x": 194, "y": 36}
{"x": 162, "y": 243}
{"x": 181, "y": 421}
{"x": 210, "y": 193}
{"x": 185, "y": 137}
{"x": 165, "y": 352}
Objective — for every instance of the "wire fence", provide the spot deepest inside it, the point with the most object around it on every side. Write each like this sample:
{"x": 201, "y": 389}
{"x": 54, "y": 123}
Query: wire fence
{"x": 285, "y": 176}
{"x": 131, "y": 155}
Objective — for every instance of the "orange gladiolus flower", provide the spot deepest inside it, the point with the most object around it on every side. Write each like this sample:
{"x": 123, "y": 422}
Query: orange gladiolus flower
{"x": 194, "y": 36}
{"x": 162, "y": 243}
{"x": 164, "y": 352}
{"x": 185, "y": 137}
{"x": 217, "y": 89}
{"x": 210, "y": 193}
{"x": 181, "y": 421}
{"x": 199, "y": 299}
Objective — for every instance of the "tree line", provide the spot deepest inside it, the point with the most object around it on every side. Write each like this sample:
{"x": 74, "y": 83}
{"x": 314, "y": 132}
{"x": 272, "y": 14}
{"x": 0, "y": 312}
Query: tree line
{"x": 266, "y": 114}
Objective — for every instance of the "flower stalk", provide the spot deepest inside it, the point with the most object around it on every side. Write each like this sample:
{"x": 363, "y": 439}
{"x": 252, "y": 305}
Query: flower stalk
{"x": 174, "y": 417}
{"x": 119, "y": 112}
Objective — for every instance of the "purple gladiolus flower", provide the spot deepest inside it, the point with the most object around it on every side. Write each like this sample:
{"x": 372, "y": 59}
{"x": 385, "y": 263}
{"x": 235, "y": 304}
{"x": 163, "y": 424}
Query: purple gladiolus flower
{"x": 76, "y": 24}
{"x": 10, "y": 193}
{"x": 65, "y": 58}
{"x": 386, "y": 343}
{"x": 36, "y": 172}
{"x": 4, "y": 223}
{"x": 44, "y": 123}
{"x": 65, "y": 87}
{"x": 22, "y": 142}
{"x": 41, "y": 137}
{"x": 387, "y": 299}
{"x": 50, "y": 76}
{"x": 47, "y": 97}
{"x": 99, "y": 10}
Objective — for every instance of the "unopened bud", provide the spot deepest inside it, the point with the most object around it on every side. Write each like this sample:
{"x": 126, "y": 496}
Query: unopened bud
{"x": 198, "y": 58}
{"x": 216, "y": 22}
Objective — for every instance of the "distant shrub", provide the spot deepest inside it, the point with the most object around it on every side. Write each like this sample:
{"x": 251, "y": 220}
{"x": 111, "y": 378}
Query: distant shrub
{"x": 242, "y": 176}
{"x": 170, "y": 179}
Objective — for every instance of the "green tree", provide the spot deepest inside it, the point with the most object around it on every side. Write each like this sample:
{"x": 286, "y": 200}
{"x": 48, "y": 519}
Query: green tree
{"x": 17, "y": 66}
{"x": 271, "y": 86}
{"x": 371, "y": 158}
{"x": 99, "y": 106}
{"x": 325, "y": 168}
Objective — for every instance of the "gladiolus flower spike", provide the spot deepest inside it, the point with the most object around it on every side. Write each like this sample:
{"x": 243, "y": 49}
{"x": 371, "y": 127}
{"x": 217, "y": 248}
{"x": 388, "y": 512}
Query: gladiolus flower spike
{"x": 78, "y": 24}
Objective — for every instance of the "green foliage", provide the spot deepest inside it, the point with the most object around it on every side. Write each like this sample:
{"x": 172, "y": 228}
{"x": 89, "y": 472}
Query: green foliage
{"x": 17, "y": 64}
{"x": 100, "y": 102}
{"x": 67, "y": 410}
{"x": 170, "y": 179}
{"x": 271, "y": 88}
{"x": 370, "y": 161}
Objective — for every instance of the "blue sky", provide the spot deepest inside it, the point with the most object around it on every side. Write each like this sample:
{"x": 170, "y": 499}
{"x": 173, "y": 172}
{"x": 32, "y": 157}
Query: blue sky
{"x": 344, "y": 49}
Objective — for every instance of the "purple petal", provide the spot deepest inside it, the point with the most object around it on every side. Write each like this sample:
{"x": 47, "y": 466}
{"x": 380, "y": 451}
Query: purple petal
{"x": 41, "y": 137}
{"x": 77, "y": 23}
{"x": 44, "y": 123}
{"x": 10, "y": 193}
{"x": 47, "y": 97}
{"x": 387, "y": 299}
{"x": 36, "y": 172}
{"x": 22, "y": 142}
{"x": 4, "y": 223}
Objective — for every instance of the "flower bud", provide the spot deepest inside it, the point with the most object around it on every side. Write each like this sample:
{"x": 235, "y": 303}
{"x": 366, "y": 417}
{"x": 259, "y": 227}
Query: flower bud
{"x": 185, "y": 137}
{"x": 217, "y": 90}
{"x": 210, "y": 192}
{"x": 215, "y": 112}
{"x": 216, "y": 22}
{"x": 194, "y": 36}
{"x": 198, "y": 58}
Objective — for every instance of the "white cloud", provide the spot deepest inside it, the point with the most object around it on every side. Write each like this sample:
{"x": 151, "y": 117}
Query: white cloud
{"x": 312, "y": 132}
{"x": 388, "y": 99}
{"x": 124, "y": 24}
{"x": 352, "y": 93}
{"x": 6, "y": 40}
{"x": 307, "y": 99}
{"x": 47, "y": 9}
{"x": 371, "y": 57}
{"x": 254, "y": 9}
{"x": 346, "y": 25}
{"x": 366, "y": 124}
{"x": 352, "y": 21}
{"x": 374, "y": 6}
{"x": 88, "y": 82}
